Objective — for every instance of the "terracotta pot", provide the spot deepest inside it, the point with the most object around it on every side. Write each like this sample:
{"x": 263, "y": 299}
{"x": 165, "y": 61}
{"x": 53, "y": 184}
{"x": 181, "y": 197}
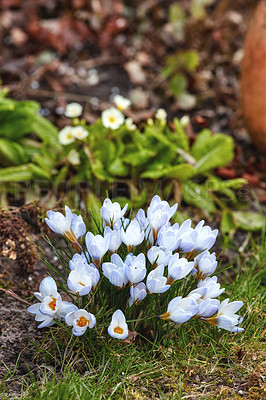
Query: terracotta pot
{"x": 253, "y": 78}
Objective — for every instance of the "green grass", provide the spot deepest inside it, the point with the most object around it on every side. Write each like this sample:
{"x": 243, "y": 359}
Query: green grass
{"x": 196, "y": 361}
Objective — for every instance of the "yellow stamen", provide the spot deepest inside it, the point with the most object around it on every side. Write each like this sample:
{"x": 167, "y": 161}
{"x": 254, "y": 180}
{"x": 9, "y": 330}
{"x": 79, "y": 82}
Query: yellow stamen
{"x": 165, "y": 316}
{"x": 111, "y": 119}
{"x": 52, "y": 304}
{"x": 118, "y": 330}
{"x": 82, "y": 322}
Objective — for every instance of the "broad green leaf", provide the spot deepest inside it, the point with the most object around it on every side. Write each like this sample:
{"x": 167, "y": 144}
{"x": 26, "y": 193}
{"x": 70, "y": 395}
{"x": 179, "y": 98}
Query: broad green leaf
{"x": 46, "y": 131}
{"x": 197, "y": 195}
{"x": 154, "y": 173}
{"x": 181, "y": 172}
{"x": 197, "y": 150}
{"x": 249, "y": 221}
{"x": 139, "y": 157}
{"x": 218, "y": 151}
{"x": 178, "y": 84}
{"x": 16, "y": 174}
{"x": 38, "y": 172}
{"x": 118, "y": 168}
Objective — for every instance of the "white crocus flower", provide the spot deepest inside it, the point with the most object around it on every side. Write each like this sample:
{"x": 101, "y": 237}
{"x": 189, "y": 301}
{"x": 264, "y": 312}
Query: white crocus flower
{"x": 115, "y": 271}
{"x": 226, "y": 317}
{"x": 118, "y": 328}
{"x": 51, "y": 306}
{"x": 135, "y": 267}
{"x": 137, "y": 293}
{"x": 77, "y": 259}
{"x": 156, "y": 282}
{"x": 112, "y": 118}
{"x": 115, "y": 241}
{"x": 188, "y": 237}
{"x": 159, "y": 213}
{"x": 207, "y": 307}
{"x": 79, "y": 281}
{"x": 65, "y": 135}
{"x": 178, "y": 268}
{"x": 159, "y": 255}
{"x": 161, "y": 115}
{"x": 205, "y": 264}
{"x": 121, "y": 102}
{"x": 79, "y": 132}
{"x": 80, "y": 320}
{"x": 181, "y": 310}
{"x": 168, "y": 237}
{"x": 111, "y": 212}
{"x": 130, "y": 124}
{"x": 212, "y": 287}
{"x": 97, "y": 246}
{"x": 133, "y": 235}
{"x": 71, "y": 225}
{"x": 73, "y": 110}
{"x": 206, "y": 237}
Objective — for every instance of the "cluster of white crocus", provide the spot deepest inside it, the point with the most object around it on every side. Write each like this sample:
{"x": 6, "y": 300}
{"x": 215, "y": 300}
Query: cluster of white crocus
{"x": 143, "y": 256}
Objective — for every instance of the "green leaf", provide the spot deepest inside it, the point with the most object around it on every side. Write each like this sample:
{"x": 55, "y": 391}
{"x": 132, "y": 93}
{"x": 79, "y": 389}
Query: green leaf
{"x": 46, "y": 131}
{"x": 249, "y": 221}
{"x": 181, "y": 172}
{"x": 138, "y": 157}
{"x": 39, "y": 173}
{"x": 197, "y": 195}
{"x": 118, "y": 168}
{"x": 12, "y": 153}
{"x": 181, "y": 139}
{"x": 228, "y": 225}
{"x": 94, "y": 206}
{"x": 217, "y": 151}
{"x": 100, "y": 172}
{"x": 15, "y": 174}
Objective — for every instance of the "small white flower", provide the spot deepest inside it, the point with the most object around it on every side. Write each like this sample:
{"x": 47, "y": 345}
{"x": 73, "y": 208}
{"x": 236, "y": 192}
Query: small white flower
{"x": 65, "y": 136}
{"x": 133, "y": 235}
{"x": 79, "y": 281}
{"x": 122, "y": 103}
{"x": 80, "y": 320}
{"x": 130, "y": 124}
{"x": 73, "y": 110}
{"x": 226, "y": 317}
{"x": 111, "y": 212}
{"x": 137, "y": 293}
{"x": 156, "y": 282}
{"x": 97, "y": 246}
{"x": 79, "y": 132}
{"x": 159, "y": 255}
{"x": 112, "y": 118}
{"x": 181, "y": 310}
{"x": 161, "y": 115}
{"x": 118, "y": 328}
{"x": 135, "y": 267}
{"x": 178, "y": 268}
{"x": 184, "y": 121}
{"x": 115, "y": 271}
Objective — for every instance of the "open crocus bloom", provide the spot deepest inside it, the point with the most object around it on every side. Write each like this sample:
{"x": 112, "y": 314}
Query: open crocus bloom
{"x": 159, "y": 255}
{"x": 181, "y": 310}
{"x": 111, "y": 212}
{"x": 51, "y": 306}
{"x": 80, "y": 320}
{"x": 135, "y": 267}
{"x": 206, "y": 236}
{"x": 159, "y": 213}
{"x": 205, "y": 264}
{"x": 118, "y": 328}
{"x": 226, "y": 317}
{"x": 79, "y": 281}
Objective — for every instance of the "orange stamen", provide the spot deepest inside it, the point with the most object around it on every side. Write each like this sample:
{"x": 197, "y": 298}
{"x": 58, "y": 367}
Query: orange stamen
{"x": 82, "y": 322}
{"x": 118, "y": 330}
{"x": 52, "y": 304}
